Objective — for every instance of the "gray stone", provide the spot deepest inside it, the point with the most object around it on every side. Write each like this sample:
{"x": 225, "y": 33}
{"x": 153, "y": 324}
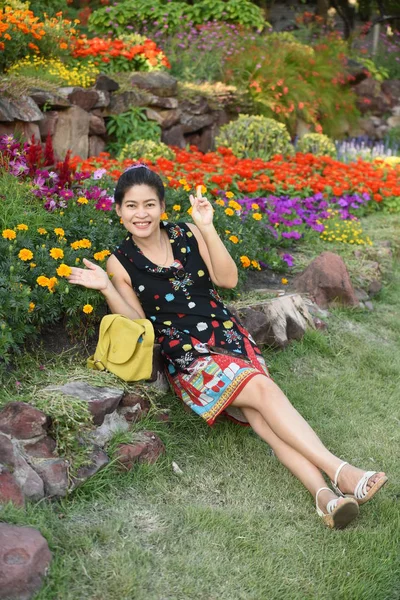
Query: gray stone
{"x": 158, "y": 102}
{"x": 192, "y": 123}
{"x": 47, "y": 125}
{"x": 121, "y": 103}
{"x": 9, "y": 488}
{"x": 394, "y": 121}
{"x": 113, "y": 423}
{"x": 71, "y": 133}
{"x": 361, "y": 295}
{"x": 104, "y": 99}
{"x": 101, "y": 400}
{"x": 45, "y": 98}
{"x": 145, "y": 447}
{"x": 197, "y": 106}
{"x": 11, "y": 456}
{"x": 391, "y": 89}
{"x": 97, "y": 461}
{"x": 157, "y": 82}
{"x": 54, "y": 474}
{"x": 96, "y": 145}
{"x": 86, "y": 99}
{"x": 21, "y": 109}
{"x": 174, "y": 136}
{"x": 24, "y": 561}
{"x": 165, "y": 118}
{"x": 133, "y": 407}
{"x": 97, "y": 125}
{"x": 106, "y": 83}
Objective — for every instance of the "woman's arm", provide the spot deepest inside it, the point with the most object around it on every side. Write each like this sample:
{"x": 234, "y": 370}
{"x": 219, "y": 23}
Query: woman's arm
{"x": 118, "y": 293}
{"x": 222, "y": 268}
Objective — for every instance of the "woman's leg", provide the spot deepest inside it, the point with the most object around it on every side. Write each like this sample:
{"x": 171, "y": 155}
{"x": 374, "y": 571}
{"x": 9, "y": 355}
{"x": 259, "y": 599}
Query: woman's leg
{"x": 309, "y": 475}
{"x": 263, "y": 395}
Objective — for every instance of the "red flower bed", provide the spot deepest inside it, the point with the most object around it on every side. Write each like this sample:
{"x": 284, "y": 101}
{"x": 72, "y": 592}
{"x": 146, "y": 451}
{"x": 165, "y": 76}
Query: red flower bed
{"x": 300, "y": 175}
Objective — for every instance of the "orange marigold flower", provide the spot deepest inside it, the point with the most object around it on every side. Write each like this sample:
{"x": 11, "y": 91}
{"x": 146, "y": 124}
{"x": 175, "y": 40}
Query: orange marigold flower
{"x": 32, "y": 265}
{"x": 56, "y": 253}
{"x": 64, "y": 270}
{"x": 59, "y": 231}
{"x": 22, "y": 227}
{"x": 9, "y": 234}
{"x": 25, "y": 254}
{"x": 42, "y": 281}
{"x": 256, "y": 264}
{"x": 235, "y": 205}
{"x": 87, "y": 309}
{"x": 42, "y": 231}
{"x": 229, "y": 212}
{"x": 31, "y": 306}
{"x": 220, "y": 202}
{"x": 245, "y": 261}
{"x": 257, "y": 216}
{"x": 284, "y": 281}
{"x": 164, "y": 216}
{"x": 229, "y": 194}
{"x": 52, "y": 283}
{"x": 234, "y": 239}
{"x": 176, "y": 207}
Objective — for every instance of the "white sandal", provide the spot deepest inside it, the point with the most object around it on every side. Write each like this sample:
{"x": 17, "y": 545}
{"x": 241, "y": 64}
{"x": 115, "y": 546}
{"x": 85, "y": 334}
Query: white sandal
{"x": 337, "y": 516}
{"x": 361, "y": 494}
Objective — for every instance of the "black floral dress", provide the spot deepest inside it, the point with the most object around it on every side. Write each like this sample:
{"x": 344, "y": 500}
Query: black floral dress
{"x": 209, "y": 355}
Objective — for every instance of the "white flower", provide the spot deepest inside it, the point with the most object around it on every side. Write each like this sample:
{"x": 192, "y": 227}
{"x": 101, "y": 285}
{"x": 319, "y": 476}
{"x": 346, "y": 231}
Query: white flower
{"x": 332, "y": 12}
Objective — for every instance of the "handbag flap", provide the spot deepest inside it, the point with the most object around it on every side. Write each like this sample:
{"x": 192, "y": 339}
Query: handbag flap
{"x": 124, "y": 335}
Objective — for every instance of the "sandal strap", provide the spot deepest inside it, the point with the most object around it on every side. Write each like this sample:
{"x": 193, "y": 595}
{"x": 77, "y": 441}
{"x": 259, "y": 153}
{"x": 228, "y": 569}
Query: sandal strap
{"x": 330, "y": 507}
{"x": 335, "y": 480}
{"x": 361, "y": 488}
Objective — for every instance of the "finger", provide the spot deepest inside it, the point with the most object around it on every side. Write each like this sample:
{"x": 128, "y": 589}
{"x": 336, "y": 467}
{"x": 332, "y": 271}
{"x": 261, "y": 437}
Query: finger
{"x": 198, "y": 191}
{"x": 192, "y": 199}
{"x": 89, "y": 264}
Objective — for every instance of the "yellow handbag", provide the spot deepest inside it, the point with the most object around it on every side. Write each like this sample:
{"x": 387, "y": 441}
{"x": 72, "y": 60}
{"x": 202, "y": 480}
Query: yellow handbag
{"x": 125, "y": 348}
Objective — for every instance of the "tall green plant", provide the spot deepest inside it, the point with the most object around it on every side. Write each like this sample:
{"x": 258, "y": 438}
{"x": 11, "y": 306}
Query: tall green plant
{"x": 129, "y": 127}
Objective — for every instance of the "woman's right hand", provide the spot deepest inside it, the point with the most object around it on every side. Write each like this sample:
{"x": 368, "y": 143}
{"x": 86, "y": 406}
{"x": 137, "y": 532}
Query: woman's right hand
{"x": 93, "y": 277}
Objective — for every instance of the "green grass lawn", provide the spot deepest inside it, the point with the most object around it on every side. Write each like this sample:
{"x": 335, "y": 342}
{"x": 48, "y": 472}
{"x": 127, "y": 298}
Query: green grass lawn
{"x": 236, "y": 525}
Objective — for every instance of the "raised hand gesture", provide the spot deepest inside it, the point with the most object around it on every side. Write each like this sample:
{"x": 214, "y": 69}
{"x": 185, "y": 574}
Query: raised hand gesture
{"x": 202, "y": 211}
{"x": 93, "y": 277}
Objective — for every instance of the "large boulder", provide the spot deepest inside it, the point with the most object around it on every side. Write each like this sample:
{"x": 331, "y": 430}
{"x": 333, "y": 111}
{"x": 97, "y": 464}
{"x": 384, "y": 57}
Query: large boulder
{"x": 9, "y": 488}
{"x": 156, "y": 82}
{"x": 21, "y": 109}
{"x": 24, "y": 560}
{"x": 12, "y": 457}
{"x": 146, "y": 447}
{"x": 23, "y": 421}
{"x": 71, "y": 132}
{"x": 327, "y": 281}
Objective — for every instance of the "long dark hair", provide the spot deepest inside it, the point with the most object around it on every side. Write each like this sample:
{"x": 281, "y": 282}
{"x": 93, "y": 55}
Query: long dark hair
{"x": 138, "y": 175}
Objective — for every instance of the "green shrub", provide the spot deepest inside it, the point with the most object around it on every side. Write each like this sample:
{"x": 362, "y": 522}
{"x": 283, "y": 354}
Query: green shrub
{"x": 175, "y": 14}
{"x": 318, "y": 144}
{"x": 255, "y": 137}
{"x": 147, "y": 149}
{"x": 129, "y": 127}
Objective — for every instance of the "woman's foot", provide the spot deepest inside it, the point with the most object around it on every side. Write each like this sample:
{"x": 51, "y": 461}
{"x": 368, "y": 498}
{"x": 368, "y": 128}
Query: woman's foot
{"x": 356, "y": 482}
{"x": 337, "y": 512}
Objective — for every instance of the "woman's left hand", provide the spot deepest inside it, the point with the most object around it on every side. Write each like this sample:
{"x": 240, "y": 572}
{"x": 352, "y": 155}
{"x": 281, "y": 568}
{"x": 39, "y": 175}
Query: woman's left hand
{"x": 202, "y": 211}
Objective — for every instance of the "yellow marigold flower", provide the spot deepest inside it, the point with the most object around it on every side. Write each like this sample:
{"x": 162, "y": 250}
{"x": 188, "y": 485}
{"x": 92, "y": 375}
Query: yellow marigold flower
{"x": 42, "y": 281}
{"x": 52, "y": 283}
{"x": 85, "y": 243}
{"x": 183, "y": 181}
{"x": 229, "y": 194}
{"x": 87, "y": 309}
{"x": 220, "y": 202}
{"x": 245, "y": 261}
{"x": 64, "y": 270}
{"x": 256, "y": 264}
{"x": 189, "y": 210}
{"x": 42, "y": 231}
{"x": 284, "y": 281}
{"x": 229, "y": 212}
{"x": 59, "y": 231}
{"x": 227, "y": 231}
{"x": 235, "y": 205}
{"x": 176, "y": 207}
{"x": 203, "y": 189}
{"x": 257, "y": 216}
{"x": 82, "y": 200}
{"x": 255, "y": 206}
{"x": 101, "y": 255}
{"x": 77, "y": 261}
{"x": 186, "y": 188}
{"x": 25, "y": 254}
{"x": 56, "y": 253}
{"x": 164, "y": 216}
{"x": 22, "y": 227}
{"x": 32, "y": 265}
{"x": 31, "y": 306}
{"x": 9, "y": 234}
{"x": 234, "y": 239}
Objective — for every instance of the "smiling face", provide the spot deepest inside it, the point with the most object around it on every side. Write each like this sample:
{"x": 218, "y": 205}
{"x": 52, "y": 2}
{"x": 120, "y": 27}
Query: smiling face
{"x": 141, "y": 210}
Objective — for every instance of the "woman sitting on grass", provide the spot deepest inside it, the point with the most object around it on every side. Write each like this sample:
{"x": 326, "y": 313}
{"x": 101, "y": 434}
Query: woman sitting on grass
{"x": 166, "y": 272}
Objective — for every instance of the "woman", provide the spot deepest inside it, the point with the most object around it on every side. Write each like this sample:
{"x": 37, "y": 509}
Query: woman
{"x": 165, "y": 272}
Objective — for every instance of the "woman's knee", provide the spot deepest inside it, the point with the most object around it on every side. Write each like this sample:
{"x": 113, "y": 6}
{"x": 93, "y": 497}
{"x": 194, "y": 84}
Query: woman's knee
{"x": 254, "y": 393}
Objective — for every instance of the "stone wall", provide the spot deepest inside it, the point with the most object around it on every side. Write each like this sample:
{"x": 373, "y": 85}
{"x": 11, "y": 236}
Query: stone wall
{"x": 75, "y": 117}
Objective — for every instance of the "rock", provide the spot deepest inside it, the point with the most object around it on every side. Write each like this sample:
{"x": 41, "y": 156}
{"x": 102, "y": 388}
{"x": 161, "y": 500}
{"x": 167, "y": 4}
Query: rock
{"x": 98, "y": 460}
{"x": 302, "y": 128}
{"x": 361, "y": 295}
{"x": 133, "y": 407}
{"x": 165, "y": 118}
{"x": 374, "y": 288}
{"x": 391, "y": 89}
{"x": 54, "y": 474}
{"x": 101, "y": 400}
{"x": 97, "y": 125}
{"x": 104, "y": 99}
{"x": 277, "y": 321}
{"x": 357, "y": 70}
{"x": 24, "y": 560}
{"x": 197, "y": 106}
{"x": 9, "y": 489}
{"x": 96, "y": 145}
{"x": 45, "y": 98}
{"x": 176, "y": 468}
{"x": 71, "y": 133}
{"x": 43, "y": 448}
{"x": 85, "y": 99}
{"x": 174, "y": 136}
{"x": 121, "y": 103}
{"x": 370, "y": 97}
{"x": 25, "y": 131}
{"x": 47, "y": 125}
{"x": 12, "y": 458}
{"x": 318, "y": 324}
{"x": 157, "y": 82}
{"x": 106, "y": 83}
{"x": 203, "y": 139}
{"x": 327, "y": 281}
{"x": 163, "y": 416}
{"x": 191, "y": 123}
{"x": 394, "y": 121}
{"x": 146, "y": 447}
{"x": 157, "y": 102}
{"x": 368, "y": 304}
{"x": 21, "y": 109}
{"x": 23, "y": 421}
{"x": 113, "y": 423}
